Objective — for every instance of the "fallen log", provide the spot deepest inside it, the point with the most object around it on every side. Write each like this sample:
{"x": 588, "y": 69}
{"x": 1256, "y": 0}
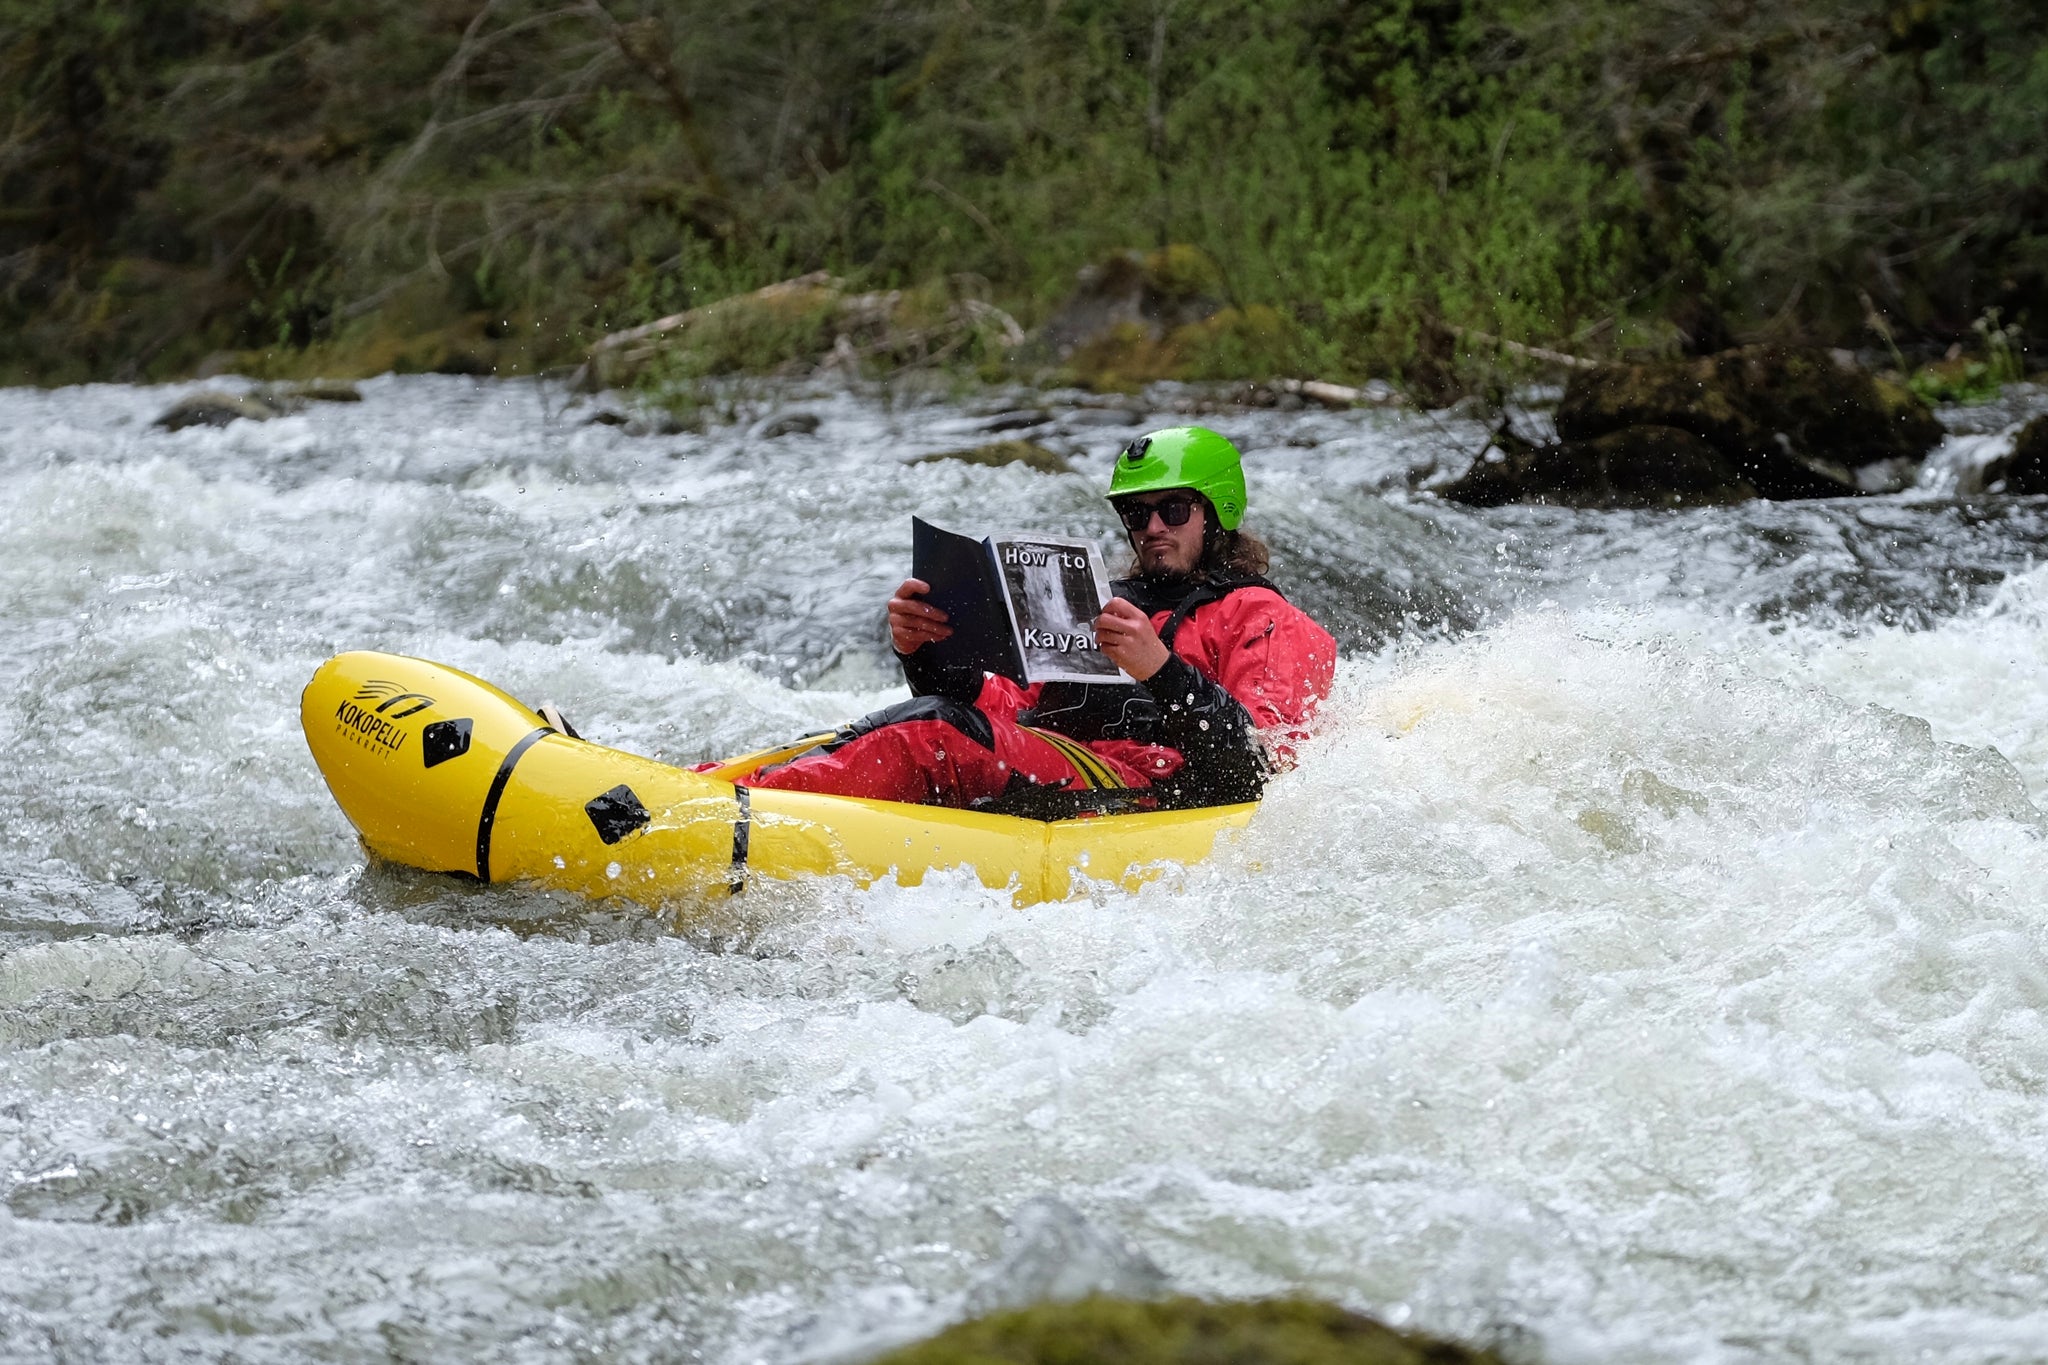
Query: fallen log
{"x": 1378, "y": 393}
{"x": 862, "y": 326}
{"x": 1319, "y": 391}
{"x": 611, "y": 341}
{"x": 1542, "y": 353}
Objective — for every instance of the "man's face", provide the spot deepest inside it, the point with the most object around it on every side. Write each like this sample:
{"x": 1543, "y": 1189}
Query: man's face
{"x": 1164, "y": 549}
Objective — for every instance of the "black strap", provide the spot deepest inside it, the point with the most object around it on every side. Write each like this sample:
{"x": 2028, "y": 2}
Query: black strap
{"x": 742, "y": 837}
{"x": 489, "y": 818}
{"x": 1214, "y": 590}
{"x": 1050, "y": 801}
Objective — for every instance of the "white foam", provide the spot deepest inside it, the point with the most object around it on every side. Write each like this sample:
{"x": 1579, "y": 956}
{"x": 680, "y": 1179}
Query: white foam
{"x": 1650, "y": 975}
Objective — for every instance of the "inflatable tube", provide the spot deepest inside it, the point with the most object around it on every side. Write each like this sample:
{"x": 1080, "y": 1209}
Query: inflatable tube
{"x": 441, "y": 771}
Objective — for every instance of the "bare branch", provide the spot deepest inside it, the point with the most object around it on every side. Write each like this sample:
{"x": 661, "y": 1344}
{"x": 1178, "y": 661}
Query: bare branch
{"x": 644, "y": 43}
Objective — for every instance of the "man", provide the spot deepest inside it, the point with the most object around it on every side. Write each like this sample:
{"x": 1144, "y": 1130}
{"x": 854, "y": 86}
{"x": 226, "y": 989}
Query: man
{"x": 1227, "y": 670}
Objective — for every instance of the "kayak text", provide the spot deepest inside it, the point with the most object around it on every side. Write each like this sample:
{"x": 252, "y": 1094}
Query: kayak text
{"x": 1064, "y": 643}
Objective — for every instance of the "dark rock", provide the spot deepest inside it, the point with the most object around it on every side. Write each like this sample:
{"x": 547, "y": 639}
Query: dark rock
{"x": 1023, "y": 419}
{"x": 790, "y": 424}
{"x": 212, "y": 408}
{"x": 1103, "y": 417}
{"x": 1184, "y": 1331}
{"x": 656, "y": 424}
{"x": 463, "y": 362}
{"x": 1796, "y": 422}
{"x": 1432, "y": 374}
{"x": 1701, "y": 327}
{"x": 1641, "y": 466}
{"x": 606, "y": 418}
{"x": 2025, "y": 469}
{"x": 996, "y": 453}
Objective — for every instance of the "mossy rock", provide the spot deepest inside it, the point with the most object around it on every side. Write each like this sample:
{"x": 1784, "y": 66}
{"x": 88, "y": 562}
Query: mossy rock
{"x": 1237, "y": 343}
{"x": 393, "y": 343}
{"x": 997, "y": 453}
{"x": 1962, "y": 379}
{"x": 2025, "y": 469}
{"x": 1180, "y": 271}
{"x": 1183, "y": 1331}
{"x": 1641, "y": 466}
{"x": 1126, "y": 297}
{"x": 1230, "y": 344}
{"x": 1122, "y": 358}
{"x": 212, "y": 408}
{"x": 1796, "y": 423}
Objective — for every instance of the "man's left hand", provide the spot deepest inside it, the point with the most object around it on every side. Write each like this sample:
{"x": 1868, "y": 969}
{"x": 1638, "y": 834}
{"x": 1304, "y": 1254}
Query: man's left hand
{"x": 1127, "y": 637}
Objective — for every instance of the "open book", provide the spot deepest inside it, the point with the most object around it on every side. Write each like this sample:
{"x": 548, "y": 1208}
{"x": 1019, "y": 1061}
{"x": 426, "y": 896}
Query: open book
{"x": 1022, "y": 605}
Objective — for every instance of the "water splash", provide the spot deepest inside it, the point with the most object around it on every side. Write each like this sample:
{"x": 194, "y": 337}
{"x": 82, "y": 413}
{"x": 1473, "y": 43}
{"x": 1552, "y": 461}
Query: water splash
{"x": 1643, "y": 963}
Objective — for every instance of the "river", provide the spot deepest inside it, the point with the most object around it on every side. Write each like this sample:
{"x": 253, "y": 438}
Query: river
{"x": 1647, "y": 961}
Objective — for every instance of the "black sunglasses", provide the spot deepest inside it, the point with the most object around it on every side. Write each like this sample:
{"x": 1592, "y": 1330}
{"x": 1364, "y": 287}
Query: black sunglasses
{"x": 1173, "y": 511}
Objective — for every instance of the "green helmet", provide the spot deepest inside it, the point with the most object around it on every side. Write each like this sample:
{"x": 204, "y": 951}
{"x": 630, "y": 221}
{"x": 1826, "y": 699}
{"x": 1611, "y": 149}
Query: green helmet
{"x": 1184, "y": 457}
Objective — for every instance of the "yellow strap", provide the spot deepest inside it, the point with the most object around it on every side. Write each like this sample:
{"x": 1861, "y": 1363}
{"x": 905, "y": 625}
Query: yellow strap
{"x": 1093, "y": 771}
{"x": 733, "y": 768}
{"x": 1104, "y": 775}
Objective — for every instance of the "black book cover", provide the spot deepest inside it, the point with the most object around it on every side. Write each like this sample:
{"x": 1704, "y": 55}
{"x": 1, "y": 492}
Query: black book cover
{"x": 964, "y": 585}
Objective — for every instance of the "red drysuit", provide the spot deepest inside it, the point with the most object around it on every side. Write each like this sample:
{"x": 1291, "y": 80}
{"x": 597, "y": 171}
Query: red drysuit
{"x": 1247, "y": 670}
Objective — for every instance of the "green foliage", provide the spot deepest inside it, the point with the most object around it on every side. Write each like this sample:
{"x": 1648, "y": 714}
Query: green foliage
{"x": 1961, "y": 378}
{"x": 1254, "y": 342}
{"x": 1380, "y": 176}
{"x": 754, "y": 337}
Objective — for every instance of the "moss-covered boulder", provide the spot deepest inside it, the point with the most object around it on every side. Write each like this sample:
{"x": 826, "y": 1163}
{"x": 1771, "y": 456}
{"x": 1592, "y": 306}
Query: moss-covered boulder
{"x": 1797, "y": 423}
{"x": 1228, "y": 344}
{"x": 213, "y": 408}
{"x": 1238, "y": 343}
{"x": 1155, "y": 290}
{"x": 1116, "y": 329}
{"x": 2024, "y": 469}
{"x": 1639, "y": 466}
{"x": 997, "y": 453}
{"x": 1183, "y": 1331}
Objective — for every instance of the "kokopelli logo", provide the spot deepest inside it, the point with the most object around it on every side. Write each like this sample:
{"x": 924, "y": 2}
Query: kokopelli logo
{"x": 390, "y": 694}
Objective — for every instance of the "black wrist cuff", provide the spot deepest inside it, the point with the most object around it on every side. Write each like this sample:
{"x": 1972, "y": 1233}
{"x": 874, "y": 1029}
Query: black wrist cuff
{"x": 1176, "y": 685}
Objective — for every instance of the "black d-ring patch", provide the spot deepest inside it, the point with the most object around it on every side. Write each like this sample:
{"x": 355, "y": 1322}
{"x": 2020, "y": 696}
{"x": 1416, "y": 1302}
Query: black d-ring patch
{"x": 616, "y": 813}
{"x": 443, "y": 740}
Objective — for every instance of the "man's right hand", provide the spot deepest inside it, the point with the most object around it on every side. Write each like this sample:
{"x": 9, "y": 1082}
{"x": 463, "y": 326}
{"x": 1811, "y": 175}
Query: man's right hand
{"x": 914, "y": 622}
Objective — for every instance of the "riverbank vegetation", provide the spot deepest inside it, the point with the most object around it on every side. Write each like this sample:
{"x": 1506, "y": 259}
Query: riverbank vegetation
{"x": 1385, "y": 187}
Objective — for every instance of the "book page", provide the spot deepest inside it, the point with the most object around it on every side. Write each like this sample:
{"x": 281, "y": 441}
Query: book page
{"x": 1055, "y": 588}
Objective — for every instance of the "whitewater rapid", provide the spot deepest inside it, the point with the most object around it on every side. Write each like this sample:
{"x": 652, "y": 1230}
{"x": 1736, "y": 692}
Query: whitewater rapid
{"x": 1647, "y": 961}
